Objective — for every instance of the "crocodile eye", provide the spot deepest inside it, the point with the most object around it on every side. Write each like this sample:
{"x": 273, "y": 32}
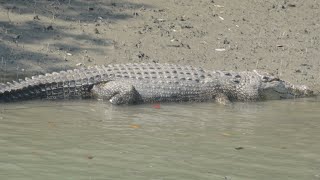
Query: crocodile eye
{"x": 268, "y": 79}
{"x": 274, "y": 79}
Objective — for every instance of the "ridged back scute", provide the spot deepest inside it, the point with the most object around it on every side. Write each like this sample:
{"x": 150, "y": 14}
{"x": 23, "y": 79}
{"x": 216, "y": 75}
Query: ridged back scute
{"x": 167, "y": 73}
{"x": 63, "y": 84}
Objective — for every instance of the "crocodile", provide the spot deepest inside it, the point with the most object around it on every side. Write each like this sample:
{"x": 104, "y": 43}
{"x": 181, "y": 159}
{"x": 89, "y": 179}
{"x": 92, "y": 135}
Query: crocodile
{"x": 146, "y": 83}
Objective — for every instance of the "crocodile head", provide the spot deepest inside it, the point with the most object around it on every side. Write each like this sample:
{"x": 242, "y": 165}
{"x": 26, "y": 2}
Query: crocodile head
{"x": 272, "y": 87}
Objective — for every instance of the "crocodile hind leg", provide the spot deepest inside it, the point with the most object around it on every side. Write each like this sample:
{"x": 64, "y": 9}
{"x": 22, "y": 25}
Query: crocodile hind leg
{"x": 117, "y": 92}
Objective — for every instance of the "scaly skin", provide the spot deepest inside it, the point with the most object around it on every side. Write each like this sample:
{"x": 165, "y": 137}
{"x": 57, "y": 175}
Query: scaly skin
{"x": 138, "y": 83}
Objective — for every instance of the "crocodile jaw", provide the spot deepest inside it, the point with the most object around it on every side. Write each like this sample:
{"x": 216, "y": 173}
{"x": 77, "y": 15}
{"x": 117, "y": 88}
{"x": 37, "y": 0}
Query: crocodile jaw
{"x": 284, "y": 90}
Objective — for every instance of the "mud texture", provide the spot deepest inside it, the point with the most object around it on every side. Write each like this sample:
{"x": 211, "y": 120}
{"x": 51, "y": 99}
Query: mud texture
{"x": 277, "y": 36}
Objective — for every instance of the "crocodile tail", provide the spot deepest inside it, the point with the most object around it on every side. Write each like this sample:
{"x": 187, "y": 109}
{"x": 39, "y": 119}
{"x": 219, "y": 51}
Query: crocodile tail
{"x": 65, "y": 84}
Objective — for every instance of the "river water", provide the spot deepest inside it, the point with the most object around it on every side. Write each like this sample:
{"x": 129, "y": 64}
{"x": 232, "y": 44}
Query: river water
{"x": 95, "y": 140}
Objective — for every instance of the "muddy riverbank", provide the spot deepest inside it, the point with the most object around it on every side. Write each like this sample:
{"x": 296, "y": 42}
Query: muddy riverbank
{"x": 280, "y": 37}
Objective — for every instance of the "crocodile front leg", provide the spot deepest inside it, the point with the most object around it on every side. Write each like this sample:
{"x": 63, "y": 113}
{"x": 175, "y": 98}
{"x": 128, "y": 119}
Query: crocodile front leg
{"x": 117, "y": 92}
{"x": 222, "y": 99}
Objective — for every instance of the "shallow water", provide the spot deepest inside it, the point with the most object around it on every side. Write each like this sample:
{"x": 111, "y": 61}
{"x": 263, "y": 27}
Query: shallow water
{"x": 94, "y": 140}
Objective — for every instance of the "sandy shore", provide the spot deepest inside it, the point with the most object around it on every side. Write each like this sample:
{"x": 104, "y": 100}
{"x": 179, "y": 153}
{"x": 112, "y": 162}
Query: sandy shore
{"x": 280, "y": 37}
